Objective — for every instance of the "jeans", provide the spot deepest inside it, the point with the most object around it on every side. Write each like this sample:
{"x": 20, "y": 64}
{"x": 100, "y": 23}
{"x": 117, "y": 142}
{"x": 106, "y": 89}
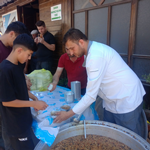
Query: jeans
{"x": 44, "y": 65}
{"x": 129, "y": 120}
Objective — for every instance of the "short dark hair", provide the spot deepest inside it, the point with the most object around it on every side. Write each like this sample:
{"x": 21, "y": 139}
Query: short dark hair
{"x": 74, "y": 35}
{"x": 40, "y": 23}
{"x": 24, "y": 40}
{"x": 18, "y": 27}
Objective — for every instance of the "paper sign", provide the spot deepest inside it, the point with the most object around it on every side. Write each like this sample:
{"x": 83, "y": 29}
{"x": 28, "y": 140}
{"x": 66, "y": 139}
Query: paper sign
{"x": 56, "y": 12}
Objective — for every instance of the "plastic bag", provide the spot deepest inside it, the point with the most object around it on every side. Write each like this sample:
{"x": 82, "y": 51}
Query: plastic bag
{"x": 40, "y": 79}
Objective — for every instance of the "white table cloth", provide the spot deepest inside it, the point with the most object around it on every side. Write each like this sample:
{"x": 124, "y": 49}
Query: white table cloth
{"x": 43, "y": 125}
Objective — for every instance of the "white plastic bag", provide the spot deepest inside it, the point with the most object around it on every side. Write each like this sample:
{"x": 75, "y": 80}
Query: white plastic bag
{"x": 40, "y": 79}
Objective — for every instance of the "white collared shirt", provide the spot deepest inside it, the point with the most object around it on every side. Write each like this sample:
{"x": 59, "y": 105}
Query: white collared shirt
{"x": 112, "y": 79}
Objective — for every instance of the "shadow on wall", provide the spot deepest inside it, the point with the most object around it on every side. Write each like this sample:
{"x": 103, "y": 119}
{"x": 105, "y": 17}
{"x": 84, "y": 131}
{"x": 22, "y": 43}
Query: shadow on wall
{"x": 58, "y": 52}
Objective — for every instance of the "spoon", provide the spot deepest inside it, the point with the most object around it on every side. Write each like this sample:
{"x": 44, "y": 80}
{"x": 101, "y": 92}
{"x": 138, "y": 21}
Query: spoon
{"x": 84, "y": 129}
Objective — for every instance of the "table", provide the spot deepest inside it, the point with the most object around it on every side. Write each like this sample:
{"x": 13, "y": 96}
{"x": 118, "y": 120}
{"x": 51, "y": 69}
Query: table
{"x": 43, "y": 125}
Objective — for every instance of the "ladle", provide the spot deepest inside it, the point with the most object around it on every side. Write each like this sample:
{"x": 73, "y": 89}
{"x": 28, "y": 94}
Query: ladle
{"x": 84, "y": 129}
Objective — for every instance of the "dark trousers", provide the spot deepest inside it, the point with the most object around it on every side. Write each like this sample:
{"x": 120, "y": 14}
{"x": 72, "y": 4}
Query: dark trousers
{"x": 44, "y": 65}
{"x": 83, "y": 91}
{"x": 26, "y": 142}
{"x": 129, "y": 120}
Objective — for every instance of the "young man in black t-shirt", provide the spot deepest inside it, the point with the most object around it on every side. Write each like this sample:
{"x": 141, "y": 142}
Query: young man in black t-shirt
{"x": 46, "y": 46}
{"x": 6, "y": 43}
{"x": 14, "y": 96}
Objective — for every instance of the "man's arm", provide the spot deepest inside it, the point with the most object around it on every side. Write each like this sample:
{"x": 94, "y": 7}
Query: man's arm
{"x": 63, "y": 115}
{"x": 34, "y": 98}
{"x": 56, "y": 78}
{"x": 28, "y": 82}
{"x": 49, "y": 46}
{"x": 39, "y": 105}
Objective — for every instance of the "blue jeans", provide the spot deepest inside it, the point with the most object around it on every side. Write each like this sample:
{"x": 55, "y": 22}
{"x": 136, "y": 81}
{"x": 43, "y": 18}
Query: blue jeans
{"x": 44, "y": 65}
{"x": 129, "y": 120}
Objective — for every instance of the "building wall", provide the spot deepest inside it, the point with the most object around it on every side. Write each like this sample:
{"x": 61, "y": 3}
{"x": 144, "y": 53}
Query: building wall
{"x": 57, "y": 28}
{"x": 12, "y": 6}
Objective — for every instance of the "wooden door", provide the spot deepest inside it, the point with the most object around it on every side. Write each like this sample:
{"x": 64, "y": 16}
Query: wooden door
{"x": 28, "y": 16}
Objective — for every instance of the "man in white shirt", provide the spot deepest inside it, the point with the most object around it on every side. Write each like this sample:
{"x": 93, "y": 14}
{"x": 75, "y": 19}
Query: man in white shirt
{"x": 110, "y": 78}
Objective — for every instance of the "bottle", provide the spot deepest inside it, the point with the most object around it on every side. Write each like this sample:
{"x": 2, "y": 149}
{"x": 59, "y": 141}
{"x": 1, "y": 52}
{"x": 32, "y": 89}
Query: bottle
{"x": 50, "y": 87}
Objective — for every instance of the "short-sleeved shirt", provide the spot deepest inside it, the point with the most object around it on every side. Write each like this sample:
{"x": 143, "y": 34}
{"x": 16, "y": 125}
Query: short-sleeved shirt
{"x": 43, "y": 53}
{"x": 75, "y": 71}
{"x": 13, "y": 86}
{"x": 4, "y": 51}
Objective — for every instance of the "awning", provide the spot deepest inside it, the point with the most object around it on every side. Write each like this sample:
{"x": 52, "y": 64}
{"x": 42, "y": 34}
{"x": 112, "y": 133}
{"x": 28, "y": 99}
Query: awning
{"x": 5, "y": 2}
{"x": 18, "y": 2}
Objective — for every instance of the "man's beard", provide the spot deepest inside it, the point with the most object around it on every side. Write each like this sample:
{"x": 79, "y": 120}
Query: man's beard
{"x": 71, "y": 56}
{"x": 81, "y": 52}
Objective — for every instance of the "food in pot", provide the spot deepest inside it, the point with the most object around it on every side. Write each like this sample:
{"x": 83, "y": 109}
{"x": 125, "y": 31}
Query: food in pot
{"x": 92, "y": 142}
{"x": 65, "y": 107}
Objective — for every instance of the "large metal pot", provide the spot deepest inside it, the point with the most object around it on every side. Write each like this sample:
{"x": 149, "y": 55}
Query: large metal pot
{"x": 106, "y": 129}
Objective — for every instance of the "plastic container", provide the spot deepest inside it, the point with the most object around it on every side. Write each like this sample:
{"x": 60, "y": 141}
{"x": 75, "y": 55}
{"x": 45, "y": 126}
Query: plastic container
{"x": 69, "y": 97}
{"x": 76, "y": 89}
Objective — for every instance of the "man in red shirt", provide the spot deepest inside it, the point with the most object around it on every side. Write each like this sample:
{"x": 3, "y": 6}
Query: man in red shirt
{"x": 74, "y": 69}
